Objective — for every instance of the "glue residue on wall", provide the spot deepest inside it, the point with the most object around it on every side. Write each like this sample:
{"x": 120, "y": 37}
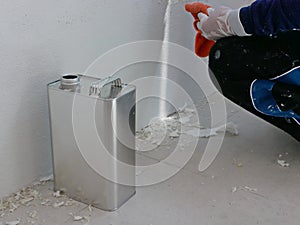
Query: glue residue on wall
{"x": 164, "y": 59}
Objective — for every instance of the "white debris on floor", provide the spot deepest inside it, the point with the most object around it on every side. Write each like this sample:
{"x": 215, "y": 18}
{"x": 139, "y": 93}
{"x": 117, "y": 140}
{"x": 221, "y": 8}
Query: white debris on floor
{"x": 21, "y": 198}
{"x": 185, "y": 121}
{"x": 79, "y": 218}
{"x": 244, "y": 188}
{"x": 16, "y": 222}
{"x": 230, "y": 127}
{"x": 23, "y": 207}
{"x": 250, "y": 189}
{"x": 46, "y": 179}
{"x": 237, "y": 164}
{"x": 57, "y": 194}
{"x": 234, "y": 189}
{"x": 283, "y": 163}
{"x": 58, "y": 204}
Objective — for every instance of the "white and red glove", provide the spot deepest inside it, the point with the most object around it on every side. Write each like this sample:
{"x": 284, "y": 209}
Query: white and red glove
{"x": 220, "y": 22}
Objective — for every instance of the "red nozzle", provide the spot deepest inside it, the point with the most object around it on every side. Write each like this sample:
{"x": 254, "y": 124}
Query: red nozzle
{"x": 202, "y": 45}
{"x": 196, "y": 8}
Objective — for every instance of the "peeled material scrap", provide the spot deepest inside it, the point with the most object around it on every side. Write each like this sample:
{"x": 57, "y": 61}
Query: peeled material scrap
{"x": 283, "y": 163}
{"x": 206, "y": 133}
{"x": 58, "y": 204}
{"x": 161, "y": 130}
{"x": 16, "y": 222}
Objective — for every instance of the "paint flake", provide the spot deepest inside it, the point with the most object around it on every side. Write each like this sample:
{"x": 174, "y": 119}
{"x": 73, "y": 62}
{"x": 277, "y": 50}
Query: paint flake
{"x": 26, "y": 200}
{"x": 78, "y": 218}
{"x": 46, "y": 179}
{"x": 16, "y": 222}
{"x": 33, "y": 214}
{"x": 206, "y": 133}
{"x": 244, "y": 188}
{"x": 250, "y": 189}
{"x": 69, "y": 203}
{"x": 58, "y": 194}
{"x": 46, "y": 202}
{"x": 283, "y": 163}
{"x": 58, "y": 204}
{"x": 234, "y": 189}
{"x": 237, "y": 164}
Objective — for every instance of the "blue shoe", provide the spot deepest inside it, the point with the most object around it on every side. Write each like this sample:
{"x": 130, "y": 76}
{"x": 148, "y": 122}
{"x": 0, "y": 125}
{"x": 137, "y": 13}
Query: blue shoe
{"x": 278, "y": 97}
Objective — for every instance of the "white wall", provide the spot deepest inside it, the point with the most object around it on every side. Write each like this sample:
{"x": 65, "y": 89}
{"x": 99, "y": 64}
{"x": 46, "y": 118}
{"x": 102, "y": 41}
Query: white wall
{"x": 39, "y": 41}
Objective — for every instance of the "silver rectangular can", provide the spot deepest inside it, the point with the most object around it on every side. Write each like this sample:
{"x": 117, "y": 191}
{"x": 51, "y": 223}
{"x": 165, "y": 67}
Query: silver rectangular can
{"x": 112, "y": 115}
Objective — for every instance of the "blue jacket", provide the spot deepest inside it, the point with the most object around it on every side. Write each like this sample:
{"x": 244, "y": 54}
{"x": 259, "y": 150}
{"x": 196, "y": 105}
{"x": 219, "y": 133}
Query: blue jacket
{"x": 268, "y": 17}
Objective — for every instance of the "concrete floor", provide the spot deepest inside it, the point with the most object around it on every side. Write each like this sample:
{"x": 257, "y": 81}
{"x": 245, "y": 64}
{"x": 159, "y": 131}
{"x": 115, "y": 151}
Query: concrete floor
{"x": 244, "y": 185}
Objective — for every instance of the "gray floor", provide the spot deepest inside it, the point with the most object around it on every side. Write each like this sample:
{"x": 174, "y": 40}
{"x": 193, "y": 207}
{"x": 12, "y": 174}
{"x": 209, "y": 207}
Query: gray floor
{"x": 244, "y": 185}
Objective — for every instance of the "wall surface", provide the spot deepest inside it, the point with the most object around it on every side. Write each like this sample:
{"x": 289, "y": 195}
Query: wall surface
{"x": 39, "y": 41}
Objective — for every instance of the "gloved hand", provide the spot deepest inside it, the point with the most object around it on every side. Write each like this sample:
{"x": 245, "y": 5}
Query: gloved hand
{"x": 202, "y": 45}
{"x": 216, "y": 24}
{"x": 220, "y": 22}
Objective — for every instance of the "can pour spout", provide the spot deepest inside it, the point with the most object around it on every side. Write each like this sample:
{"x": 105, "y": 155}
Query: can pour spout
{"x": 69, "y": 82}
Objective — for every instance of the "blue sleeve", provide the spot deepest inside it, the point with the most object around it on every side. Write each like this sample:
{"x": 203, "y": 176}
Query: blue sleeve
{"x": 268, "y": 17}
